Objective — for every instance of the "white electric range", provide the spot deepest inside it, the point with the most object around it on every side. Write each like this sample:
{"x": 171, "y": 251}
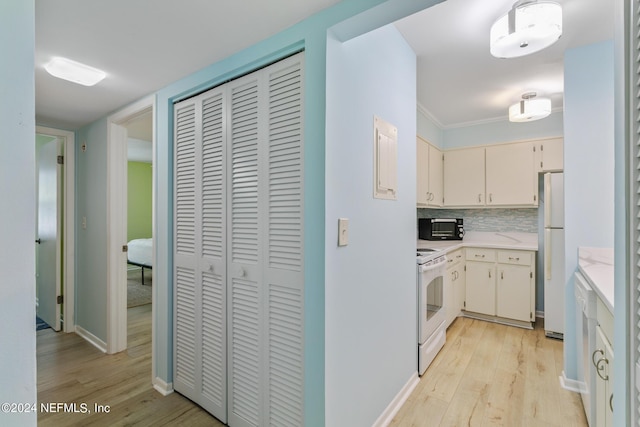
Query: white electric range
{"x": 431, "y": 266}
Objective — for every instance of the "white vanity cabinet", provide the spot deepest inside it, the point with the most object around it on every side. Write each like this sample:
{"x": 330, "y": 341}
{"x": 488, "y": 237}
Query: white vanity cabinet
{"x": 602, "y": 365}
{"x": 454, "y": 283}
{"x": 429, "y": 172}
{"x": 500, "y": 284}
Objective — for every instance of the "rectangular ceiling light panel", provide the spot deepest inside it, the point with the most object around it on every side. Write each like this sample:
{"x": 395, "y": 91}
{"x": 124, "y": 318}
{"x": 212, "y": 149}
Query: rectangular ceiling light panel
{"x": 75, "y": 72}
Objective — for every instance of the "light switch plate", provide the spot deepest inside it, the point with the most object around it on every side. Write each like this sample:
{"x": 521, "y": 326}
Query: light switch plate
{"x": 343, "y": 231}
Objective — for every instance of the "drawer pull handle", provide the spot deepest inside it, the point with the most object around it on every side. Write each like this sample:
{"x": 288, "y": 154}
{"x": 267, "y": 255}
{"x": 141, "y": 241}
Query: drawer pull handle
{"x": 479, "y": 256}
{"x": 611, "y": 402}
{"x": 514, "y": 259}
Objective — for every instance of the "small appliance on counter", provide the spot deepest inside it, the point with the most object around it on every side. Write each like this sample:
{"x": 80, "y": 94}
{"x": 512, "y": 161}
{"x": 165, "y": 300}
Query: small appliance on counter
{"x": 440, "y": 229}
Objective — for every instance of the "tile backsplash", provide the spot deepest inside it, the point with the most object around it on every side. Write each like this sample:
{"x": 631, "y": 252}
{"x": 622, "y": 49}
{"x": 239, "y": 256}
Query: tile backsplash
{"x": 523, "y": 220}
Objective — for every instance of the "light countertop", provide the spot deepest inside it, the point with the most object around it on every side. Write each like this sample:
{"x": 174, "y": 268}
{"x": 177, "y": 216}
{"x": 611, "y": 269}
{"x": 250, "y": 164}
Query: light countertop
{"x": 596, "y": 264}
{"x": 519, "y": 241}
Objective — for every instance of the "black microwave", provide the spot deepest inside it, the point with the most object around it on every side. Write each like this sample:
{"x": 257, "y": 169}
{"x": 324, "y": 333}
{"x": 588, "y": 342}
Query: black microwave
{"x": 440, "y": 229}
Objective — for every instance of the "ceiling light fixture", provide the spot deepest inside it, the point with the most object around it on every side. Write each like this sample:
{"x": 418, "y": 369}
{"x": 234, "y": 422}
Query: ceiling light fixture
{"x": 529, "y": 109}
{"x": 530, "y": 26}
{"x": 75, "y": 72}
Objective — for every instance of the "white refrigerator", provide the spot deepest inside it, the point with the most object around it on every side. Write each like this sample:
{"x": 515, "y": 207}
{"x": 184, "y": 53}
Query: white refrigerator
{"x": 554, "y": 254}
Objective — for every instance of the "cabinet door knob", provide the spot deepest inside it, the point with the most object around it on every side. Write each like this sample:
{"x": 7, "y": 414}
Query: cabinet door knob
{"x": 479, "y": 197}
{"x": 502, "y": 275}
{"x": 489, "y": 273}
{"x": 593, "y": 356}
{"x": 490, "y": 197}
{"x": 600, "y": 367}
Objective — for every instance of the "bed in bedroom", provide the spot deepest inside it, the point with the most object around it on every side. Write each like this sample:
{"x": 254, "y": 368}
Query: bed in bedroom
{"x": 139, "y": 254}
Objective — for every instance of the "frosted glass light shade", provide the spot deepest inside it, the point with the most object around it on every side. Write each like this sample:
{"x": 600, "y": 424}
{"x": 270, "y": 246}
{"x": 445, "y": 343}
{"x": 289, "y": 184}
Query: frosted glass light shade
{"x": 529, "y": 110}
{"x": 75, "y": 72}
{"x": 528, "y": 27}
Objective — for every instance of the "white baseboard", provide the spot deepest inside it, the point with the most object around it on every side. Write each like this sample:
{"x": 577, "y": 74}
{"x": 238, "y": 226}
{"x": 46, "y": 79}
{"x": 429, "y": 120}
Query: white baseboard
{"x": 385, "y": 418}
{"x": 92, "y": 339}
{"x": 164, "y": 388}
{"x": 571, "y": 385}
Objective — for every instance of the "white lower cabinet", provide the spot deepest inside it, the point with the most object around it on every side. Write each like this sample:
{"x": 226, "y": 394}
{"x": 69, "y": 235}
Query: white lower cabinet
{"x": 501, "y": 283}
{"x": 454, "y": 285}
{"x": 602, "y": 359}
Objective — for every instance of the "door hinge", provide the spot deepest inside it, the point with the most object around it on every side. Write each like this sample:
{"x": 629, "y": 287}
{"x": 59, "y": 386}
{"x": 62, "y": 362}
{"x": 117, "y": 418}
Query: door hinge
{"x": 61, "y": 160}
{"x": 125, "y": 248}
{"x": 60, "y": 299}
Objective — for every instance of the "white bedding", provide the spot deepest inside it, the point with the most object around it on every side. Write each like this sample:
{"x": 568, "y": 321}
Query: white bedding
{"x": 140, "y": 251}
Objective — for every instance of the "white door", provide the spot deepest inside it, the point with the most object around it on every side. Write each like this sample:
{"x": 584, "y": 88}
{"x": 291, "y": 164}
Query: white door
{"x": 47, "y": 234}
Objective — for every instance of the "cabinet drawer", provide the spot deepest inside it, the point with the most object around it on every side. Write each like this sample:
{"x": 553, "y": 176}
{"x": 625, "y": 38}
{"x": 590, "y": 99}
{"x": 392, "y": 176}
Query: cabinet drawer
{"x": 605, "y": 320}
{"x": 454, "y": 258}
{"x": 479, "y": 254}
{"x": 514, "y": 257}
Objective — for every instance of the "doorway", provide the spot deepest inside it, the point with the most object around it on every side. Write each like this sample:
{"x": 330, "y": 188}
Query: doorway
{"x": 136, "y": 123}
{"x": 54, "y": 234}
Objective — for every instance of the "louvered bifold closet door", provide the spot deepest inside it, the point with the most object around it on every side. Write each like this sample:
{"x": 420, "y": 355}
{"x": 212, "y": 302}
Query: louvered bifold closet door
{"x": 200, "y": 352}
{"x": 265, "y": 238}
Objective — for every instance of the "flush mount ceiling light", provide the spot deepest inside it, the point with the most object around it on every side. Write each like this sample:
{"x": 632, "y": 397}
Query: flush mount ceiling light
{"x": 530, "y": 26}
{"x": 75, "y": 72}
{"x": 530, "y": 109}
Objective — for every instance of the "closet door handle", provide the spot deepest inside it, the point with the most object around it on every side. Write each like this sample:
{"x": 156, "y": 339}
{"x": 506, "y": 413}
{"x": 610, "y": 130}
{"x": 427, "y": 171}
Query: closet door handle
{"x": 240, "y": 272}
{"x": 600, "y": 367}
{"x": 593, "y": 356}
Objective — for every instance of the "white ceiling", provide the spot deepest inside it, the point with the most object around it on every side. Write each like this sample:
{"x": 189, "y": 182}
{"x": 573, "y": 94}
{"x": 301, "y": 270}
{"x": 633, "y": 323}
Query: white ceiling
{"x": 459, "y": 82}
{"x": 144, "y": 45}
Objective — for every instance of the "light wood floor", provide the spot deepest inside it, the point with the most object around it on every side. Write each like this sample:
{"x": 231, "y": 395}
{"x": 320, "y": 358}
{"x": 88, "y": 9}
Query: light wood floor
{"x": 493, "y": 375}
{"x": 70, "y": 370}
{"x": 486, "y": 375}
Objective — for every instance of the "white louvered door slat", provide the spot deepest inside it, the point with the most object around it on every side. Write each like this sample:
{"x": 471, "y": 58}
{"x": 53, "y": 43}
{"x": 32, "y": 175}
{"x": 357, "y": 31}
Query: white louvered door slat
{"x": 238, "y": 255}
{"x": 245, "y": 297}
{"x": 212, "y": 257}
{"x": 284, "y": 244}
{"x": 186, "y": 274}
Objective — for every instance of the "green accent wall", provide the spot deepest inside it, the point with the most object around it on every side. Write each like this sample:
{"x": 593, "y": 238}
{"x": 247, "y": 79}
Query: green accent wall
{"x": 139, "y": 187}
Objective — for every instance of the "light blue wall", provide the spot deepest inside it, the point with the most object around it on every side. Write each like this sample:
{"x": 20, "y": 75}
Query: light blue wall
{"x": 503, "y": 131}
{"x": 17, "y": 215}
{"x": 353, "y": 17}
{"x": 91, "y": 249}
{"x": 371, "y": 283}
{"x": 588, "y": 166}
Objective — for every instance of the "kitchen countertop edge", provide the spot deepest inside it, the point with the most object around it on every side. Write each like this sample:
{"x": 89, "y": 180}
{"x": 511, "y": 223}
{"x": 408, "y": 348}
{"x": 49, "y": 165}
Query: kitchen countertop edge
{"x": 596, "y": 265}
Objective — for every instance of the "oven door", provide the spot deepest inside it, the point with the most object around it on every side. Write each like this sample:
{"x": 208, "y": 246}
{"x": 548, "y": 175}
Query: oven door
{"x": 430, "y": 299}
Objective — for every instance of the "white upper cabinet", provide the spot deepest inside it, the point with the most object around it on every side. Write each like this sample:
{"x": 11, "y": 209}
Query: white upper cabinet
{"x": 464, "y": 177}
{"x": 429, "y": 171}
{"x": 510, "y": 175}
{"x": 549, "y": 155}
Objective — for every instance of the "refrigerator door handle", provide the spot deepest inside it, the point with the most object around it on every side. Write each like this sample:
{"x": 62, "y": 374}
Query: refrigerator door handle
{"x": 547, "y": 254}
{"x": 547, "y": 199}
